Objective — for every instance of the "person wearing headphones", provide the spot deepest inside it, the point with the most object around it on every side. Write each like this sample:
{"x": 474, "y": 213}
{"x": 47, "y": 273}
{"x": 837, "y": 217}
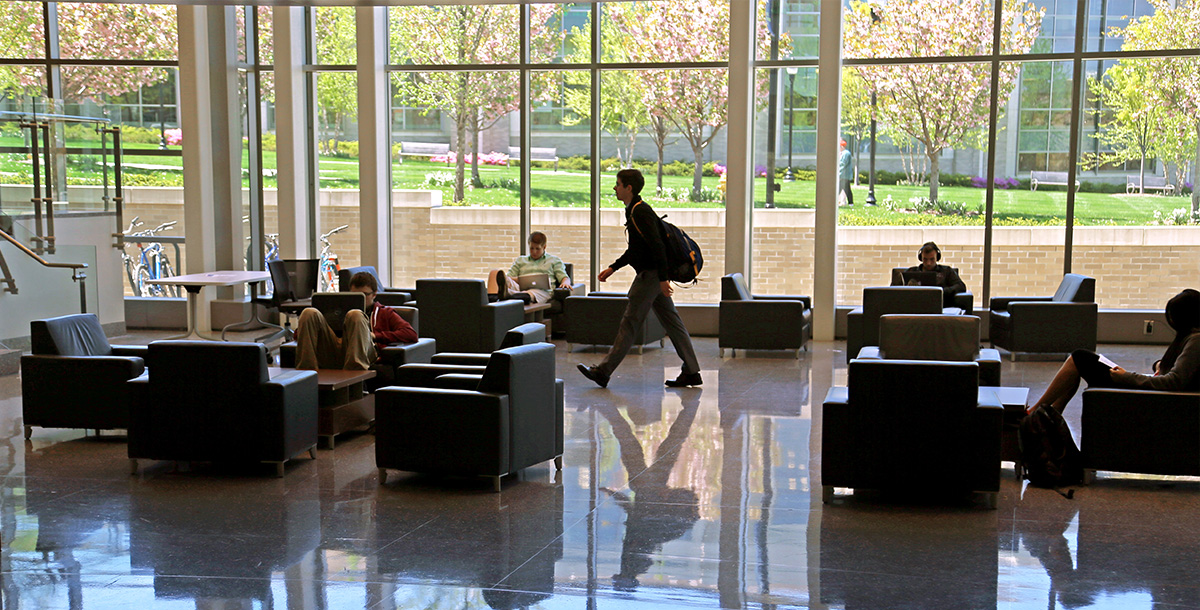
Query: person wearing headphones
{"x": 947, "y": 278}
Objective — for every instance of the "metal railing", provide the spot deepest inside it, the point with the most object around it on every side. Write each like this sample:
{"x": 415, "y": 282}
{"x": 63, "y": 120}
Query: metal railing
{"x": 76, "y": 270}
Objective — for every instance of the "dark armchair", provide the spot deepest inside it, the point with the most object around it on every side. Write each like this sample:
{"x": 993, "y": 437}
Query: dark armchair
{"x": 456, "y": 313}
{"x": 862, "y": 324}
{"x": 964, "y": 301}
{"x": 906, "y": 426}
{"x": 750, "y": 321}
{"x": 385, "y": 294}
{"x": 558, "y": 304}
{"x": 934, "y": 337}
{"x": 74, "y": 378}
{"x": 216, "y": 402}
{"x": 489, "y": 421}
{"x": 596, "y": 317}
{"x": 1059, "y": 324}
{"x": 1141, "y": 431}
{"x": 525, "y": 334}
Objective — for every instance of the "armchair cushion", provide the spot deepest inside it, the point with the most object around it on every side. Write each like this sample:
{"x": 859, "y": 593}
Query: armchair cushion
{"x": 862, "y": 327}
{"x": 937, "y": 337}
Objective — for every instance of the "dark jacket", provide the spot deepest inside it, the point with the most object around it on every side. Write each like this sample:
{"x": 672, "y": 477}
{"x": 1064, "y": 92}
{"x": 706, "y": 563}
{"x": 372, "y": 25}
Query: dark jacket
{"x": 948, "y": 281}
{"x": 1184, "y": 376}
{"x": 647, "y": 249}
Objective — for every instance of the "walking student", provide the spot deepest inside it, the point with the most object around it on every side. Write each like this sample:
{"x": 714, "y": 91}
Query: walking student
{"x": 651, "y": 289}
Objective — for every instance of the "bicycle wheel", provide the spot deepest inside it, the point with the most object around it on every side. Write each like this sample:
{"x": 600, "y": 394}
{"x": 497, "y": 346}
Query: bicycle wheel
{"x": 129, "y": 273}
{"x": 144, "y": 287}
{"x": 167, "y": 271}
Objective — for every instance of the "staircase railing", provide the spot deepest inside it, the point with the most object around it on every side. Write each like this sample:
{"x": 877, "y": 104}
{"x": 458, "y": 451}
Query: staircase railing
{"x": 77, "y": 273}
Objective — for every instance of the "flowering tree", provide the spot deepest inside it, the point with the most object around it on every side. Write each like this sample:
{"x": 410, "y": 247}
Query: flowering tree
{"x": 937, "y": 105}
{"x": 1130, "y": 124}
{"x": 456, "y": 35}
{"x": 694, "y": 102}
{"x": 90, "y": 31}
{"x": 1173, "y": 83}
{"x": 337, "y": 92}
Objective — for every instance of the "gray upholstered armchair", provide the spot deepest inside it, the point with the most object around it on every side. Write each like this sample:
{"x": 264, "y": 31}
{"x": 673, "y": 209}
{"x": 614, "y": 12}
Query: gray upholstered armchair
{"x": 74, "y": 378}
{"x": 862, "y": 324}
{"x": 596, "y": 317}
{"x": 485, "y": 421}
{"x": 385, "y": 295}
{"x": 1140, "y": 431}
{"x": 907, "y": 425}
{"x": 934, "y": 337}
{"x": 1059, "y": 324}
{"x": 456, "y": 313}
{"x": 216, "y": 402}
{"x": 751, "y": 321}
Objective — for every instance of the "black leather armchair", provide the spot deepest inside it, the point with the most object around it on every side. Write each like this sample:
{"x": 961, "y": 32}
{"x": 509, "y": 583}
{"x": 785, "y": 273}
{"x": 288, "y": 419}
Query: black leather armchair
{"x": 862, "y": 324}
{"x": 456, "y": 313}
{"x": 525, "y": 334}
{"x": 215, "y": 402}
{"x": 558, "y": 304}
{"x": 964, "y": 301}
{"x": 750, "y": 321}
{"x": 906, "y": 426}
{"x": 1141, "y": 431}
{"x": 493, "y": 422}
{"x": 74, "y": 378}
{"x": 385, "y": 294}
{"x": 1059, "y": 324}
{"x": 597, "y": 317}
{"x": 934, "y": 337}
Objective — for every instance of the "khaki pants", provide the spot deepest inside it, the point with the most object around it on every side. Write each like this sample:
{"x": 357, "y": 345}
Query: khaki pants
{"x": 319, "y": 348}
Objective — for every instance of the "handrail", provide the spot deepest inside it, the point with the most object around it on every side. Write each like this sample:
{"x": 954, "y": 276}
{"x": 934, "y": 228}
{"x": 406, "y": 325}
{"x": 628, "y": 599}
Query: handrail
{"x": 76, "y": 274}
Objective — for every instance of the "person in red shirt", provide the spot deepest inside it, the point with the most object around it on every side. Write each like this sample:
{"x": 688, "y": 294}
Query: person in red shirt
{"x": 364, "y": 334}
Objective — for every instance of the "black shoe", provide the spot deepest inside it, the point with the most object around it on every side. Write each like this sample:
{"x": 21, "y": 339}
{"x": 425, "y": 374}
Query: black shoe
{"x": 501, "y": 286}
{"x": 594, "y": 374}
{"x": 684, "y": 380}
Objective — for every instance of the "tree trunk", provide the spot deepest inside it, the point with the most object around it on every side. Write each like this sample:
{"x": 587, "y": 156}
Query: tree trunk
{"x": 857, "y": 158}
{"x": 698, "y": 172}
{"x": 1196, "y": 176}
{"x": 934, "y": 159}
{"x": 661, "y": 145}
{"x": 1142, "y": 175}
{"x": 459, "y": 162}
{"x": 476, "y": 181}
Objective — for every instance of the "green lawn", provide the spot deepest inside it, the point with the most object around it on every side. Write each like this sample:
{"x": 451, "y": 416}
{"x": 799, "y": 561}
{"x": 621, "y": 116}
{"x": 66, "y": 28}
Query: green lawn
{"x": 571, "y": 189}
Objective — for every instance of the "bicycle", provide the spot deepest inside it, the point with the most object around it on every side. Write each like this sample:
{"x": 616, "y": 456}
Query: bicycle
{"x": 151, "y": 262}
{"x": 327, "y": 279}
{"x": 271, "y": 255}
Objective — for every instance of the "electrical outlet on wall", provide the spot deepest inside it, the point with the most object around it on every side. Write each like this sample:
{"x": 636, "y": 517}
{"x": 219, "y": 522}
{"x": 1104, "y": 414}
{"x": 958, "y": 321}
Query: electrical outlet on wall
{"x": 1148, "y": 327}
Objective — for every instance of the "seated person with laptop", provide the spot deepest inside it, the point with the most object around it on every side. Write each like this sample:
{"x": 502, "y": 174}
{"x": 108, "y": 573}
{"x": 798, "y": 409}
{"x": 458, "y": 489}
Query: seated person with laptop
{"x": 930, "y": 273}
{"x": 531, "y": 278}
{"x": 364, "y": 333}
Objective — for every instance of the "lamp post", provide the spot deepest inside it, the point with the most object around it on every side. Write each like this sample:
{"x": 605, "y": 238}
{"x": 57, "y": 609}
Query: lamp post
{"x": 871, "y": 178}
{"x": 787, "y": 106}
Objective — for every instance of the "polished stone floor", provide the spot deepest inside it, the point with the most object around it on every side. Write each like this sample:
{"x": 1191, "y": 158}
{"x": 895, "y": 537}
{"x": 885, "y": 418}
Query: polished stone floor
{"x": 702, "y": 497}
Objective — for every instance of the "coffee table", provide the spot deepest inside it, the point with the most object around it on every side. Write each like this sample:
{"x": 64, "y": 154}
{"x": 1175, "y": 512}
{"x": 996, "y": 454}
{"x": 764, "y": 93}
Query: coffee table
{"x": 1013, "y": 400}
{"x": 342, "y": 404}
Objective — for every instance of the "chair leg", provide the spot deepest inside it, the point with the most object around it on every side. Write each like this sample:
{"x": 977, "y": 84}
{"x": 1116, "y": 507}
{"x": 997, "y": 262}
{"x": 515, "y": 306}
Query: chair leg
{"x": 383, "y": 476}
{"x": 558, "y": 463}
{"x": 720, "y": 352}
{"x": 133, "y": 466}
{"x": 1089, "y": 476}
{"x": 279, "y": 469}
{"x": 826, "y": 493}
{"x": 662, "y": 343}
{"x": 797, "y": 354}
{"x": 569, "y": 348}
{"x": 312, "y": 452}
{"x": 990, "y": 499}
{"x": 496, "y": 484}
{"x": 641, "y": 349}
{"x": 28, "y": 432}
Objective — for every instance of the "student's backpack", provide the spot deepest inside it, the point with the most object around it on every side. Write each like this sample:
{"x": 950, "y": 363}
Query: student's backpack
{"x": 684, "y": 260}
{"x": 1048, "y": 453}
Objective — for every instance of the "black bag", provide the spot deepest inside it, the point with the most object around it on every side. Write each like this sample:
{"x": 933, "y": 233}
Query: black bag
{"x": 684, "y": 260}
{"x": 1048, "y": 453}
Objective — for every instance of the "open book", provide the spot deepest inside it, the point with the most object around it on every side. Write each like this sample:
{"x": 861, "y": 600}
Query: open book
{"x": 1106, "y": 362}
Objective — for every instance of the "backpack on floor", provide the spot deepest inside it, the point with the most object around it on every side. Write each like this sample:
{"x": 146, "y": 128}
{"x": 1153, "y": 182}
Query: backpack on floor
{"x": 1048, "y": 453}
{"x": 684, "y": 260}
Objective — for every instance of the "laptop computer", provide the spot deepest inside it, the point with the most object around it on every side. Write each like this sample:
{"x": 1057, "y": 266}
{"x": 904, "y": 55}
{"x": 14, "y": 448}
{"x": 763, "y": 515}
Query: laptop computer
{"x": 920, "y": 278}
{"x": 334, "y": 305}
{"x": 539, "y": 281}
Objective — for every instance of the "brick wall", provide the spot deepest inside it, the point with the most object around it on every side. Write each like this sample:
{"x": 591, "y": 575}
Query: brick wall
{"x": 1135, "y": 267}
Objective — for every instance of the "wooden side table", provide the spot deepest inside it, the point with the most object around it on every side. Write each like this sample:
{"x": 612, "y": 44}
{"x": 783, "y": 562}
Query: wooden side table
{"x": 342, "y": 402}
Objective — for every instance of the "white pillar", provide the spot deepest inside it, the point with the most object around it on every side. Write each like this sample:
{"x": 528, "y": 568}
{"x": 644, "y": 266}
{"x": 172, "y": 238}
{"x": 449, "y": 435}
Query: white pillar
{"x": 829, "y": 104}
{"x": 374, "y": 146}
{"x": 199, "y": 166}
{"x": 297, "y": 222}
{"x": 739, "y": 194}
{"x": 225, "y": 123}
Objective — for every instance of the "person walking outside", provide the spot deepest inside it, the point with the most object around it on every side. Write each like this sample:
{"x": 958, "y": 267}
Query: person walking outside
{"x": 846, "y": 172}
{"x": 651, "y": 289}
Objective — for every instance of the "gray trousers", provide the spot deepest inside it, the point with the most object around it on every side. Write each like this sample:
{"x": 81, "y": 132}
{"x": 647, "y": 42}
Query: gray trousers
{"x": 645, "y": 294}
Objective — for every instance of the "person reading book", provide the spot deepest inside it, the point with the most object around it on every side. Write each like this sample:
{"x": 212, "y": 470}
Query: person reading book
{"x": 506, "y": 286}
{"x": 1177, "y": 371}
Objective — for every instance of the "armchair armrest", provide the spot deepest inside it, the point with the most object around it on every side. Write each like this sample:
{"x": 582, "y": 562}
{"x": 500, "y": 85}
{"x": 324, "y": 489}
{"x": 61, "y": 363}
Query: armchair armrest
{"x": 989, "y": 366}
{"x": 392, "y": 298}
{"x": 457, "y": 381}
{"x": 576, "y": 290}
{"x": 839, "y": 439}
{"x": 80, "y": 370}
{"x": 869, "y": 352}
{"x": 966, "y": 302}
{"x": 138, "y": 351}
{"x": 1001, "y": 303}
{"x": 408, "y": 353}
{"x": 458, "y": 359}
{"x": 807, "y": 300}
{"x": 1118, "y": 425}
{"x": 288, "y": 403}
{"x": 423, "y": 375}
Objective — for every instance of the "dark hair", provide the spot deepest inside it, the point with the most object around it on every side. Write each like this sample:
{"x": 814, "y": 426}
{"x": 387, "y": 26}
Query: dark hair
{"x": 1183, "y": 315}
{"x": 537, "y": 237}
{"x": 929, "y": 247}
{"x": 362, "y": 279}
{"x": 633, "y": 178}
